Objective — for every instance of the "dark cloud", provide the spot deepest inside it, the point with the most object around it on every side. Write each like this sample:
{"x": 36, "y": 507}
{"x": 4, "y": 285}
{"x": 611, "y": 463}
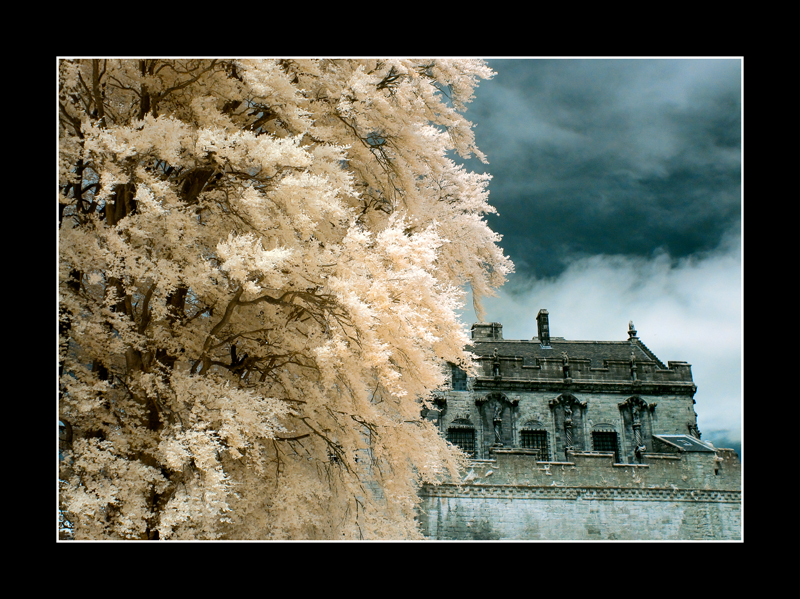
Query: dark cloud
{"x": 618, "y": 184}
{"x": 627, "y": 157}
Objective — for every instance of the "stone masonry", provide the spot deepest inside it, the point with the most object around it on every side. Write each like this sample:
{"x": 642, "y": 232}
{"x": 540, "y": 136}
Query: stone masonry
{"x": 578, "y": 440}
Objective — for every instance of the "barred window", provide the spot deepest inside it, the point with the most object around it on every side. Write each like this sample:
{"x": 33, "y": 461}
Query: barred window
{"x": 536, "y": 440}
{"x": 463, "y": 437}
{"x": 459, "y": 378}
{"x": 605, "y": 441}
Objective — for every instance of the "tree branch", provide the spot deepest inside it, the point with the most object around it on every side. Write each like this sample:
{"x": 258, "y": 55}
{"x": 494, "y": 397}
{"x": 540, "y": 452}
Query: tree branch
{"x": 98, "y": 97}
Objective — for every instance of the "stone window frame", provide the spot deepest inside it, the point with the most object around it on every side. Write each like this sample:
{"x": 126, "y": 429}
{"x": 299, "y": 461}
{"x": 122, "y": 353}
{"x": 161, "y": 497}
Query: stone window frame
{"x": 535, "y": 426}
{"x": 455, "y": 370}
{"x": 604, "y": 428}
{"x": 458, "y": 428}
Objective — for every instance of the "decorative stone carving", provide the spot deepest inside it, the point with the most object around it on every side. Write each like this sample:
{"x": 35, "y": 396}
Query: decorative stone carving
{"x": 498, "y": 424}
{"x": 495, "y": 363}
{"x": 568, "y": 402}
{"x": 568, "y": 427}
{"x": 440, "y": 406}
{"x": 636, "y": 405}
{"x": 513, "y": 401}
{"x": 492, "y": 407}
{"x": 462, "y": 421}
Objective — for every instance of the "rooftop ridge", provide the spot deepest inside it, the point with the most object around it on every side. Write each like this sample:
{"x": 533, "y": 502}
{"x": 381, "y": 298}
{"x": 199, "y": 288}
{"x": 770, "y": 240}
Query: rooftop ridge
{"x": 651, "y": 353}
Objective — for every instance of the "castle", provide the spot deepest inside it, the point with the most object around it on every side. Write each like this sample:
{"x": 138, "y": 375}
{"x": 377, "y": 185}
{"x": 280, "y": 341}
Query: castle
{"x": 578, "y": 440}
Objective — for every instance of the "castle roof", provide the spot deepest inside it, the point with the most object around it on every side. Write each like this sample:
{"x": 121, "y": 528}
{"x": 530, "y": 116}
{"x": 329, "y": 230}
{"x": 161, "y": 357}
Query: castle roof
{"x": 545, "y": 358}
{"x": 595, "y": 351}
{"x": 488, "y": 336}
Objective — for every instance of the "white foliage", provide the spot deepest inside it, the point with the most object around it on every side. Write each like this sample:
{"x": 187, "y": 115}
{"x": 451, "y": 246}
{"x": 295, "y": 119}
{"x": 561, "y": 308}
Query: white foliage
{"x": 260, "y": 267}
{"x": 244, "y": 260}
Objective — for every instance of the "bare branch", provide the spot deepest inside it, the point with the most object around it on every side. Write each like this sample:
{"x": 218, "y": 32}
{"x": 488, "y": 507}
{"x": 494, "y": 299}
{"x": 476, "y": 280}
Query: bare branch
{"x": 186, "y": 83}
{"x": 98, "y": 97}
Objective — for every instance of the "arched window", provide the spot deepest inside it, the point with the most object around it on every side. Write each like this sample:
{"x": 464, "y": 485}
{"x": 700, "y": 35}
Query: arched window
{"x": 533, "y": 435}
{"x": 462, "y": 433}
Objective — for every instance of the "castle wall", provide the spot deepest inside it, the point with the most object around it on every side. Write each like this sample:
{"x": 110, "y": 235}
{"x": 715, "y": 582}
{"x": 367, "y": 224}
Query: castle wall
{"x": 561, "y": 513}
{"x": 688, "y": 496}
{"x": 671, "y": 415}
{"x": 578, "y": 440}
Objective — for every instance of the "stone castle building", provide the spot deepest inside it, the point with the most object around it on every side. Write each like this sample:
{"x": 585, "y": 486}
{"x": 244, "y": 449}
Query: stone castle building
{"x": 576, "y": 440}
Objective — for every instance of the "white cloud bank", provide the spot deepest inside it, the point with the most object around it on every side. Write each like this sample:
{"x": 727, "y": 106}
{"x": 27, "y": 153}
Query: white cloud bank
{"x": 690, "y": 311}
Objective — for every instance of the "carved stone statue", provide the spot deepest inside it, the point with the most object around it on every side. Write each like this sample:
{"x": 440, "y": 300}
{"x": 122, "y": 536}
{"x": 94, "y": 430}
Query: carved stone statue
{"x": 495, "y": 363}
{"x": 498, "y": 423}
{"x": 568, "y": 429}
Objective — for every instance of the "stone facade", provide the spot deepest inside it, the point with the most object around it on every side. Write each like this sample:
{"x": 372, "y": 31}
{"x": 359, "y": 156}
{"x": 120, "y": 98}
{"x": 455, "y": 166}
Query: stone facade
{"x": 578, "y": 440}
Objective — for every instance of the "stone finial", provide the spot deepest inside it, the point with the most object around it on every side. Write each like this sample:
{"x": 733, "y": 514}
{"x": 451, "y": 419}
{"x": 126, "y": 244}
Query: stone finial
{"x": 631, "y": 331}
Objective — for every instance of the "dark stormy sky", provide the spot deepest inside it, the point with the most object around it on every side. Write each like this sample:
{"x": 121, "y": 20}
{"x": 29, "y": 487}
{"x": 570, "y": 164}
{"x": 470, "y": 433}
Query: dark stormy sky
{"x": 618, "y": 186}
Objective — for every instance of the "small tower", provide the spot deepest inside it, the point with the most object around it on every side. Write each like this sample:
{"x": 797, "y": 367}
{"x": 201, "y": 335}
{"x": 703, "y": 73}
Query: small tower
{"x": 543, "y": 322}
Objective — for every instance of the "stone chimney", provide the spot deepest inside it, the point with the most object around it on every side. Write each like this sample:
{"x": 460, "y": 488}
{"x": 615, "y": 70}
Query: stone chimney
{"x": 543, "y": 322}
{"x": 485, "y": 331}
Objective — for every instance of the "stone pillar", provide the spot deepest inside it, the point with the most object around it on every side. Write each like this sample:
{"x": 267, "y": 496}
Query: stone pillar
{"x": 568, "y": 430}
{"x": 637, "y": 433}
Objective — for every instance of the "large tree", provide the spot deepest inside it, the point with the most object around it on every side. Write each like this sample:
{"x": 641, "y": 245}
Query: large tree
{"x": 261, "y": 263}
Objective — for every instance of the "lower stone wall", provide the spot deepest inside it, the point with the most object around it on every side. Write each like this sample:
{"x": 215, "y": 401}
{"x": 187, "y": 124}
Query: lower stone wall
{"x": 515, "y": 512}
